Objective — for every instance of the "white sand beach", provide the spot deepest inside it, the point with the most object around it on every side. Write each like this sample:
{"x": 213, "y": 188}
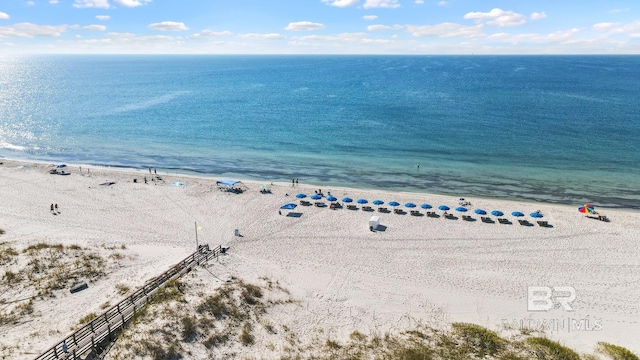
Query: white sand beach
{"x": 346, "y": 277}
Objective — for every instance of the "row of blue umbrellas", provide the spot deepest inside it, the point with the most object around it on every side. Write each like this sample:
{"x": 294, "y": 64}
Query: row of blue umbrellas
{"x": 423, "y": 206}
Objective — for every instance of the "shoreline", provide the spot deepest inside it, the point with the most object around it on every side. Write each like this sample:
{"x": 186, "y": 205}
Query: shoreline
{"x": 213, "y": 177}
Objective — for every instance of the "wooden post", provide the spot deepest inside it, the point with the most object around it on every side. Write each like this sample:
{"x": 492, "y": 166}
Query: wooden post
{"x": 196, "y": 223}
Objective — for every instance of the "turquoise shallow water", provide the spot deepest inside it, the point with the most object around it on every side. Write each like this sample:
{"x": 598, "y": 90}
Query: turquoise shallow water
{"x": 549, "y": 128}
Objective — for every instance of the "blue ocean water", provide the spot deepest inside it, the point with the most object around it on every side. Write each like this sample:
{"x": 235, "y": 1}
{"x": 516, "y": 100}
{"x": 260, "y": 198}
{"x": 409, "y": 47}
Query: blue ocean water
{"x": 561, "y": 129}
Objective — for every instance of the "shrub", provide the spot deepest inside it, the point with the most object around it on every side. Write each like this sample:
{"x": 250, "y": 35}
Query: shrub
{"x": 246, "y": 338}
{"x": 482, "y": 341}
{"x": 122, "y": 289}
{"x": 547, "y": 349}
{"x": 88, "y": 318}
{"x": 189, "y": 328}
{"x": 616, "y": 352}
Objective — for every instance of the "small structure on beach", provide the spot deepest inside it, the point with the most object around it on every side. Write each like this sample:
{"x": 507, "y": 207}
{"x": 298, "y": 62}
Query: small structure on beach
{"x": 374, "y": 222}
{"x": 234, "y": 186}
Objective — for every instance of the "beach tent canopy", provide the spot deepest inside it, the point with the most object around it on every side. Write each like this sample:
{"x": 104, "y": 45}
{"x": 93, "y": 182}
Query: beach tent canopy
{"x": 234, "y": 186}
{"x": 229, "y": 183}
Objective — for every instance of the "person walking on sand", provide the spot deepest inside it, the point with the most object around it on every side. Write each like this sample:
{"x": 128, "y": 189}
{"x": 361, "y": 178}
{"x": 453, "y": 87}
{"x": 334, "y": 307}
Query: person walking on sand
{"x": 51, "y": 207}
{"x": 56, "y": 207}
{"x": 155, "y": 171}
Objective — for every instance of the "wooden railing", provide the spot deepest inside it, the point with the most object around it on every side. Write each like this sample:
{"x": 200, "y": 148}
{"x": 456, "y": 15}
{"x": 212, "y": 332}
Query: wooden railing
{"x": 106, "y": 324}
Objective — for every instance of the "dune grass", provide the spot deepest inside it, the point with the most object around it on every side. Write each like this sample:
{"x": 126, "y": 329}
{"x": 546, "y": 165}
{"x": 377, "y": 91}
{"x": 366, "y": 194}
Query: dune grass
{"x": 616, "y": 352}
{"x": 41, "y": 270}
{"x": 234, "y": 321}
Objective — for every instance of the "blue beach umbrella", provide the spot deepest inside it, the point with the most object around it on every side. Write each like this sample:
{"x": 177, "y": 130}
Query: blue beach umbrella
{"x": 535, "y": 215}
{"x": 394, "y": 203}
{"x": 497, "y": 213}
{"x": 362, "y": 201}
{"x": 517, "y": 214}
{"x": 347, "y": 199}
{"x": 443, "y": 207}
{"x": 410, "y": 205}
{"x": 301, "y": 196}
{"x": 426, "y": 206}
{"x": 316, "y": 197}
{"x": 461, "y": 209}
{"x": 332, "y": 198}
{"x": 289, "y": 206}
{"x": 378, "y": 202}
{"x": 480, "y": 212}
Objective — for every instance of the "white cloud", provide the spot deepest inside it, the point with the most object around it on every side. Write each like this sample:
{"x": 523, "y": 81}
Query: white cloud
{"x": 389, "y": 4}
{"x": 341, "y": 3}
{"x": 383, "y": 27}
{"x": 84, "y": 4}
{"x": 419, "y": 2}
{"x": 370, "y": 17}
{"x": 131, "y": 3}
{"x": 341, "y": 38}
{"x": 613, "y": 11}
{"x": 497, "y": 17}
{"x": 442, "y": 3}
{"x": 605, "y": 26}
{"x": 271, "y": 36}
{"x": 95, "y": 27}
{"x": 210, "y": 33}
{"x": 446, "y": 30}
{"x": 538, "y": 15}
{"x": 31, "y": 3}
{"x": 169, "y": 26}
{"x": 103, "y": 17}
{"x": 304, "y": 26}
{"x": 29, "y": 30}
{"x": 4, "y": 16}
{"x": 53, "y": 2}
{"x": 631, "y": 29}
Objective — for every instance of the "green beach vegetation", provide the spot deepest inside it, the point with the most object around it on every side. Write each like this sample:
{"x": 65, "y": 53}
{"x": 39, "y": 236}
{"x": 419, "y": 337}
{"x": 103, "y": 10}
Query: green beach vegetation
{"x": 39, "y": 271}
{"x": 235, "y": 321}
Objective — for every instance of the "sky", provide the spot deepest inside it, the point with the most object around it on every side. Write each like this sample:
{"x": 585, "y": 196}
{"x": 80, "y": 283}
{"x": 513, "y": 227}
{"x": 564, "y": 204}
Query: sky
{"x": 319, "y": 27}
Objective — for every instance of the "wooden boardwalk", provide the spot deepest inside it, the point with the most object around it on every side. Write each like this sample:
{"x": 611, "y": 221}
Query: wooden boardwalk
{"x": 86, "y": 339}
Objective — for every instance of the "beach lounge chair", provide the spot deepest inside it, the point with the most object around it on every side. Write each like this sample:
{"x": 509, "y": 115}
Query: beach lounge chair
{"x": 524, "y": 222}
{"x": 352, "y": 207}
{"x": 486, "y": 219}
{"x": 367, "y": 208}
{"x": 543, "y": 223}
{"x": 504, "y": 221}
